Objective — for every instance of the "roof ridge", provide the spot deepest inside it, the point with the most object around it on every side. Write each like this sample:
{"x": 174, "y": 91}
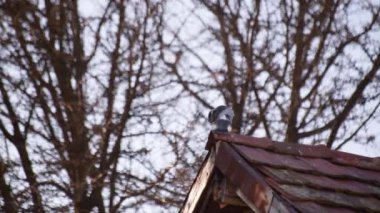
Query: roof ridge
{"x": 301, "y": 150}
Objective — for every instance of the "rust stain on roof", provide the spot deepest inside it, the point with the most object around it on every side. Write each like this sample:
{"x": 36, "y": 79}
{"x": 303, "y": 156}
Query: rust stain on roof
{"x": 241, "y": 174}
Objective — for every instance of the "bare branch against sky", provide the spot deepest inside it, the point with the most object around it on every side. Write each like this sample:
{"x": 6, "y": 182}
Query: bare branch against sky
{"x": 299, "y": 70}
{"x": 103, "y": 104}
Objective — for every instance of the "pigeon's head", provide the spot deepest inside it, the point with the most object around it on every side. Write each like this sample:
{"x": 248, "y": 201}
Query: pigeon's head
{"x": 222, "y": 117}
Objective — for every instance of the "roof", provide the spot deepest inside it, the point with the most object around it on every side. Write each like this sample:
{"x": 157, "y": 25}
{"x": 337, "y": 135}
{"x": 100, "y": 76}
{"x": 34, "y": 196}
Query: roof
{"x": 289, "y": 177}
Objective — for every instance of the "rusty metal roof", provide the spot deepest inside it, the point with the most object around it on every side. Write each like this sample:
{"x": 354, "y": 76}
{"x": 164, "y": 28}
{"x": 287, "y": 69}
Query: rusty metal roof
{"x": 304, "y": 178}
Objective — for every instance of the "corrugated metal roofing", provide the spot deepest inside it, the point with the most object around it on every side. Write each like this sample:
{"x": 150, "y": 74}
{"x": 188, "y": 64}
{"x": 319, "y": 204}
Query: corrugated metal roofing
{"x": 309, "y": 178}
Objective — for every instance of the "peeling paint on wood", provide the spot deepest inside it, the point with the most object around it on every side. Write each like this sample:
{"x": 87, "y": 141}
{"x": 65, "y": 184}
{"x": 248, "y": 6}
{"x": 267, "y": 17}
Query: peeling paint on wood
{"x": 200, "y": 184}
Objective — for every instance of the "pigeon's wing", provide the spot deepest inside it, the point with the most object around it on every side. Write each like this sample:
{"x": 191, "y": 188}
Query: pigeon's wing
{"x": 213, "y": 115}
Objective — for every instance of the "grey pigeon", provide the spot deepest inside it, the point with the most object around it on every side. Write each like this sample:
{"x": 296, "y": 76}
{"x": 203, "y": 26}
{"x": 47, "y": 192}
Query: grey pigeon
{"x": 221, "y": 117}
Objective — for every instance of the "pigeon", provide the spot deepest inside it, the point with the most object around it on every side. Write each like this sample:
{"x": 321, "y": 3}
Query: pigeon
{"x": 221, "y": 117}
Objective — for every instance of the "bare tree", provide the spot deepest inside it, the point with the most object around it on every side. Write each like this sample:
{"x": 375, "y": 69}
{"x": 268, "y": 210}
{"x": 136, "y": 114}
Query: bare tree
{"x": 79, "y": 112}
{"x": 298, "y": 70}
{"x": 97, "y": 105}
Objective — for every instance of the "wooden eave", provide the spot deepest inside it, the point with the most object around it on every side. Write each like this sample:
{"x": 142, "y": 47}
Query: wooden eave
{"x": 243, "y": 188}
